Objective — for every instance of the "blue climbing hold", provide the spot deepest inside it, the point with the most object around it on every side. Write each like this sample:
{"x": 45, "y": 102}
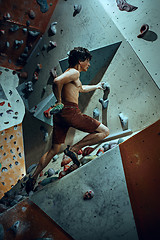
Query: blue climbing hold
{"x": 43, "y": 5}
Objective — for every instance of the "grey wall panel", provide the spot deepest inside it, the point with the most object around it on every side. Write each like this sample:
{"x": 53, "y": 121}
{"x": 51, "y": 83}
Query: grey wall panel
{"x": 107, "y": 215}
{"x": 129, "y": 24}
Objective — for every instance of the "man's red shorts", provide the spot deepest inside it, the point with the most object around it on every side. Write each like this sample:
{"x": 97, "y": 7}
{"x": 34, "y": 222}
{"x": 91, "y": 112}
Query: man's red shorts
{"x": 71, "y": 116}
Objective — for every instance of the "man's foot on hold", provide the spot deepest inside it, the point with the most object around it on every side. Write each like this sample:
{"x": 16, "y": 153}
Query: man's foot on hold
{"x": 30, "y": 184}
{"x": 72, "y": 155}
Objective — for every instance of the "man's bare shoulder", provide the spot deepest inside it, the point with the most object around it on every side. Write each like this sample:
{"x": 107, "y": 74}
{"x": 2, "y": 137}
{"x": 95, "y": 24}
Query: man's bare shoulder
{"x": 73, "y": 72}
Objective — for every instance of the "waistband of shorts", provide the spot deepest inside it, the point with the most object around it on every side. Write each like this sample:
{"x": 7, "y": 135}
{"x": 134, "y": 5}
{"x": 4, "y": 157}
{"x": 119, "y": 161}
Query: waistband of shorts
{"x": 70, "y": 104}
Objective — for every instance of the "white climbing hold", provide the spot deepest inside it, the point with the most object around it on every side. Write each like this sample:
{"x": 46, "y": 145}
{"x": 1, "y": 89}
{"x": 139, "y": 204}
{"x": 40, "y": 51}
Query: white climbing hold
{"x": 124, "y": 121}
{"x": 53, "y": 28}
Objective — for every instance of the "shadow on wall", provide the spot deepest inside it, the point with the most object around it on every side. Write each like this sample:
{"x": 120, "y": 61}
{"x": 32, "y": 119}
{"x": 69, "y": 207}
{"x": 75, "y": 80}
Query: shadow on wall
{"x": 150, "y": 36}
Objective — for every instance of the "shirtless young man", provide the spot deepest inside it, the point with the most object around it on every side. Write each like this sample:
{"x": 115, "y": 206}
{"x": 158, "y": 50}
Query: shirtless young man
{"x": 66, "y": 88}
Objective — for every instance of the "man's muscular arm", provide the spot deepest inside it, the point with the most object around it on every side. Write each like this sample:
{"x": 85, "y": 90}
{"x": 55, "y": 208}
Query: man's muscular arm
{"x": 89, "y": 88}
{"x": 66, "y": 77}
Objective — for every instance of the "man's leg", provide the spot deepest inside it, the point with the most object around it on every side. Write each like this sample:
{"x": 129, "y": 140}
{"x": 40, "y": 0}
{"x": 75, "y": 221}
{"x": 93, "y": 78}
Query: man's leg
{"x": 100, "y": 133}
{"x": 45, "y": 159}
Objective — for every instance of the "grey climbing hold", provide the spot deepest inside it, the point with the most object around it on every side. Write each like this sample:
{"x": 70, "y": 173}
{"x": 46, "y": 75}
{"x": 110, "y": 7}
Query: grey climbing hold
{"x": 14, "y": 28}
{"x": 104, "y": 102}
{"x": 24, "y": 30}
{"x": 53, "y": 28}
{"x": 106, "y": 147}
{"x": 48, "y": 180}
{"x": 51, "y": 172}
{"x": 7, "y": 44}
{"x": 106, "y": 89}
{"x": 18, "y": 43}
{"x": 34, "y": 33}
{"x": 44, "y": 47}
{"x": 52, "y": 44}
{"x": 77, "y": 9}
{"x": 31, "y": 14}
{"x": 96, "y": 113}
{"x": 24, "y": 55}
{"x": 43, "y": 5}
{"x": 31, "y": 168}
{"x": 124, "y": 121}
{"x": 27, "y": 23}
{"x": 55, "y": 158}
{"x": 15, "y": 227}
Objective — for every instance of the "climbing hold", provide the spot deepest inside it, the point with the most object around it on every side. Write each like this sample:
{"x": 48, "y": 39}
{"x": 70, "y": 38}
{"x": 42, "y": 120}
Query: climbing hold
{"x": 7, "y": 44}
{"x": 124, "y": 6}
{"x": 14, "y": 28}
{"x": 44, "y": 47}
{"x": 9, "y": 111}
{"x": 66, "y": 160}
{"x": 18, "y": 43}
{"x": 4, "y": 169}
{"x": 27, "y": 23}
{"x": 106, "y": 89}
{"x": 2, "y": 103}
{"x": 24, "y": 30}
{"x": 35, "y": 76}
{"x": 31, "y": 14}
{"x": 53, "y": 72}
{"x": 43, "y": 5}
{"x": 26, "y": 50}
{"x": 24, "y": 55}
{"x": 39, "y": 67}
{"x": 106, "y": 147}
{"x": 52, "y": 44}
{"x": 31, "y": 168}
{"x": 46, "y": 135}
{"x": 15, "y": 226}
{"x": 96, "y": 113}
{"x": 29, "y": 86}
{"x": 2, "y": 32}
{"x": 124, "y": 121}
{"x": 48, "y": 180}
{"x": 87, "y": 159}
{"x": 104, "y": 102}
{"x": 53, "y": 29}
{"x": 6, "y": 16}
{"x": 23, "y": 75}
{"x": 87, "y": 151}
{"x": 144, "y": 28}
{"x": 88, "y": 195}
{"x": 77, "y": 9}
{"x": 55, "y": 158}
{"x": 100, "y": 151}
{"x": 51, "y": 172}
{"x": 62, "y": 174}
{"x": 34, "y": 33}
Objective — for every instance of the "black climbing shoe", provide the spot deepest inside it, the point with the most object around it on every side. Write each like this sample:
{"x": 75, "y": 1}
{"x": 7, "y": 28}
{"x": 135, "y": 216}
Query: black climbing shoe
{"x": 30, "y": 184}
{"x": 72, "y": 155}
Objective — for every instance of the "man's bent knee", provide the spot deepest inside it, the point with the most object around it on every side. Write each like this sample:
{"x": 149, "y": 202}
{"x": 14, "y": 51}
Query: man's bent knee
{"x": 103, "y": 129}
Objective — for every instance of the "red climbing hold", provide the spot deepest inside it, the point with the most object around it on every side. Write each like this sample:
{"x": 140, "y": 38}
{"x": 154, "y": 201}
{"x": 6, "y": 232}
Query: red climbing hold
{"x": 87, "y": 151}
{"x": 2, "y": 103}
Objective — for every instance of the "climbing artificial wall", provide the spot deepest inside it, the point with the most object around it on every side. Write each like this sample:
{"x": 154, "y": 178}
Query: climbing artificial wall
{"x": 12, "y": 110}
{"x": 100, "y": 25}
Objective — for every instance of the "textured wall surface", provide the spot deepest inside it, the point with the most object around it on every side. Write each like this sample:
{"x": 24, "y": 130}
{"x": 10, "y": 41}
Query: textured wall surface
{"x": 129, "y": 25}
{"x": 12, "y": 161}
{"x": 107, "y": 215}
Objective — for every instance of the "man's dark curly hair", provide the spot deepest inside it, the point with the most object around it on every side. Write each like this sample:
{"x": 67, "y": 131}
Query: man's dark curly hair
{"x": 78, "y": 54}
